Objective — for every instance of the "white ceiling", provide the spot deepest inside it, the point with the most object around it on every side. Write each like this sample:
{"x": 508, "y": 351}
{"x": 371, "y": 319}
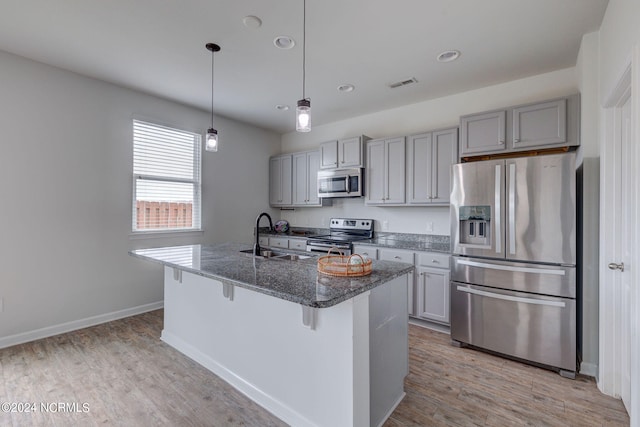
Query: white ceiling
{"x": 158, "y": 46}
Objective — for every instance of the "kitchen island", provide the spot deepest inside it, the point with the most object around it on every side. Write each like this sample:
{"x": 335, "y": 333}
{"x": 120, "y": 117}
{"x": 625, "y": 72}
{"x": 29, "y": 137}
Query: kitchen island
{"x": 314, "y": 350}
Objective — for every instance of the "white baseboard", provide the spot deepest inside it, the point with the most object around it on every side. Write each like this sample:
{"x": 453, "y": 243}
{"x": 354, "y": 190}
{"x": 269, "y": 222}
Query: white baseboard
{"x": 62, "y": 328}
{"x": 393, "y": 408}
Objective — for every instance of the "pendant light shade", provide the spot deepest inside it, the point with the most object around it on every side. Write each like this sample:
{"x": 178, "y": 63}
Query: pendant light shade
{"x": 211, "y": 143}
{"x": 303, "y": 116}
{"x": 303, "y": 110}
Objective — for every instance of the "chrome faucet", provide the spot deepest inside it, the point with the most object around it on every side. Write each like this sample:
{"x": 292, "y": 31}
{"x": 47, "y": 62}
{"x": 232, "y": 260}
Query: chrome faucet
{"x": 256, "y": 247}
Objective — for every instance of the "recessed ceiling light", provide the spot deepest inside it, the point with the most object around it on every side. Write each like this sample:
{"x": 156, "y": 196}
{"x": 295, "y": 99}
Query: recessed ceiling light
{"x": 251, "y": 21}
{"x": 346, "y": 88}
{"x": 284, "y": 42}
{"x": 448, "y": 56}
{"x": 282, "y": 107}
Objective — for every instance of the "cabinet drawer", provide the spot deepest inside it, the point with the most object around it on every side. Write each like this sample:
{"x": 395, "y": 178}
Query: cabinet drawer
{"x": 395, "y": 255}
{"x": 298, "y": 244}
{"x": 264, "y": 241}
{"x": 279, "y": 242}
{"x": 433, "y": 259}
{"x": 369, "y": 251}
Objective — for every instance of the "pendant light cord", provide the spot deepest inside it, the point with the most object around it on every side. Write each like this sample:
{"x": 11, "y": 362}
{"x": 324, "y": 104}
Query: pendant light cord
{"x": 304, "y": 46}
{"x": 212, "y": 55}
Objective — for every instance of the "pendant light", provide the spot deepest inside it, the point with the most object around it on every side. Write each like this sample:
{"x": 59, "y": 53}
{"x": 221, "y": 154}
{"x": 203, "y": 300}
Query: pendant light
{"x": 211, "y": 143}
{"x": 303, "y": 110}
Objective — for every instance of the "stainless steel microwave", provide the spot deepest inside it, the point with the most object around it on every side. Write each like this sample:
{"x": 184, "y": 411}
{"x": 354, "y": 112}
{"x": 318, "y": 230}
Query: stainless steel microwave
{"x": 341, "y": 183}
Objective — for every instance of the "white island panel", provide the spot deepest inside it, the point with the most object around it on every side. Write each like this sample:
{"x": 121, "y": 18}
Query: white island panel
{"x": 304, "y": 376}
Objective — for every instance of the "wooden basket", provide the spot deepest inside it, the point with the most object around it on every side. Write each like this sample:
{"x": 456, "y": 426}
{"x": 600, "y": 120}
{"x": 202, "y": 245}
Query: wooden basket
{"x": 340, "y": 265}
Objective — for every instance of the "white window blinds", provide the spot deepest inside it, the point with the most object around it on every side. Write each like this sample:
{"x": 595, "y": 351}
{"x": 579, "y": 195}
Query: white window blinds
{"x": 166, "y": 177}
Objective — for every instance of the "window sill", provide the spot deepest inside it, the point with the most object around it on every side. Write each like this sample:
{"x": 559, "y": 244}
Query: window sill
{"x": 139, "y": 235}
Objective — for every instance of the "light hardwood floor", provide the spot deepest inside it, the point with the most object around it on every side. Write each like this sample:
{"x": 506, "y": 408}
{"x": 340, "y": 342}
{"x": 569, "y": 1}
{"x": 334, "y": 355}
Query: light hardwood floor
{"x": 126, "y": 376}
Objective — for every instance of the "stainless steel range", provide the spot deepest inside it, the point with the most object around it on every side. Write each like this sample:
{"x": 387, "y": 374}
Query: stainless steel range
{"x": 343, "y": 231}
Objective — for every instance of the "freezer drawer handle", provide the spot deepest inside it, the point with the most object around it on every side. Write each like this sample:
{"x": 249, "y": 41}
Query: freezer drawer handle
{"x": 509, "y": 268}
{"x": 511, "y": 298}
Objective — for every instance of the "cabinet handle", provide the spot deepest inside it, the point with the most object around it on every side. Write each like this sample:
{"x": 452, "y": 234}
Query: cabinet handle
{"x": 397, "y": 257}
{"x": 501, "y": 142}
{"x": 516, "y": 140}
{"x": 435, "y": 261}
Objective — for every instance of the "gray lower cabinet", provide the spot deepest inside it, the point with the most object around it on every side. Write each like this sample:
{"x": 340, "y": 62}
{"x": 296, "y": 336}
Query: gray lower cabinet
{"x": 429, "y": 159}
{"x": 432, "y": 287}
{"x": 305, "y": 178}
{"x": 542, "y": 125}
{"x": 428, "y": 292}
{"x": 402, "y": 255}
{"x": 385, "y": 176}
{"x": 279, "y": 242}
{"x": 280, "y": 174}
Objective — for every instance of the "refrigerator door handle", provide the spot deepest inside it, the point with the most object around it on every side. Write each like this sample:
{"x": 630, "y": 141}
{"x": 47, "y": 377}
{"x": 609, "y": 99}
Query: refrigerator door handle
{"x": 512, "y": 209}
{"x": 498, "y": 197}
{"x": 511, "y": 268}
{"x": 511, "y": 298}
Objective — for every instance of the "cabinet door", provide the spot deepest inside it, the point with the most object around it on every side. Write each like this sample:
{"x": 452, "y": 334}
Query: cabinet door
{"x": 395, "y": 171}
{"x": 540, "y": 124}
{"x": 419, "y": 161}
{"x": 275, "y": 181}
{"x": 375, "y": 174}
{"x": 444, "y": 154}
{"x": 482, "y": 133}
{"x": 350, "y": 152}
{"x": 329, "y": 155}
{"x": 433, "y": 294}
{"x": 280, "y": 180}
{"x": 299, "y": 184}
{"x": 313, "y": 165}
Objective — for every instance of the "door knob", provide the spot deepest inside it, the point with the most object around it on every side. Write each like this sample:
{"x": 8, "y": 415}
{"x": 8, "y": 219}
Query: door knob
{"x": 614, "y": 266}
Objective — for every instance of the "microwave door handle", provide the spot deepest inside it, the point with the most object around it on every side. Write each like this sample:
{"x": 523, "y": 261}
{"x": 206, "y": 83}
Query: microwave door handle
{"x": 347, "y": 183}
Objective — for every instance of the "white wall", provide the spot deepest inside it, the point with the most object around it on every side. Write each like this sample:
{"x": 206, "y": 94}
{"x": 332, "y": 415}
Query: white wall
{"x": 587, "y": 75}
{"x": 65, "y": 216}
{"x": 411, "y": 119}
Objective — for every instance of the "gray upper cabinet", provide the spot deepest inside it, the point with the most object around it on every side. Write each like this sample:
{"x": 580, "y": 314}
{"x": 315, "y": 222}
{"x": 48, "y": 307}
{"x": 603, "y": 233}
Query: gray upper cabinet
{"x": 482, "y": 133}
{"x": 280, "y": 174}
{"x": 429, "y": 159}
{"x": 542, "y": 125}
{"x": 329, "y": 155}
{"x": 385, "y": 176}
{"x": 305, "y": 178}
{"x": 343, "y": 153}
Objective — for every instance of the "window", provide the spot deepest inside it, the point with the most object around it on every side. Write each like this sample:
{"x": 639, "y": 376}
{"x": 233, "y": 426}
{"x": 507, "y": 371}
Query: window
{"x": 166, "y": 178}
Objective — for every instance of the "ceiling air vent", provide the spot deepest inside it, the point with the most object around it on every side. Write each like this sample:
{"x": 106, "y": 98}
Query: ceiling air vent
{"x": 406, "y": 82}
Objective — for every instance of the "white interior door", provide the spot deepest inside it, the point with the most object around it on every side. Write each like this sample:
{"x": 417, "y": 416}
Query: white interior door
{"x": 625, "y": 250}
{"x": 619, "y": 236}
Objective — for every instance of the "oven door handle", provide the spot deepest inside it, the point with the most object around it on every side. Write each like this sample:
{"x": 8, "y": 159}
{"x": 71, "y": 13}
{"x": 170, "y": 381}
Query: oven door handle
{"x": 511, "y": 298}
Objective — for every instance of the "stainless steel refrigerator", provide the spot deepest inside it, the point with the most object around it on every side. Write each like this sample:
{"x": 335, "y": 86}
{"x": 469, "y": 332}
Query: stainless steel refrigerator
{"x": 513, "y": 273}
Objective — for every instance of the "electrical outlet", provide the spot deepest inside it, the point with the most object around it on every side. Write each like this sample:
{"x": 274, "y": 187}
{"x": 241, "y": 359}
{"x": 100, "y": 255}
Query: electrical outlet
{"x": 429, "y": 227}
{"x": 385, "y": 225}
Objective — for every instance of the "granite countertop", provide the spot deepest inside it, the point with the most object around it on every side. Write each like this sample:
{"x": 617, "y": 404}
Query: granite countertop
{"x": 408, "y": 241}
{"x": 296, "y": 281}
{"x": 412, "y": 242}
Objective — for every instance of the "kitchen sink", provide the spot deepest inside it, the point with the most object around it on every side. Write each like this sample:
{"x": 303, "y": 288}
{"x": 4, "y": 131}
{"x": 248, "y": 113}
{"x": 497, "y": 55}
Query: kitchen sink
{"x": 270, "y": 254}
